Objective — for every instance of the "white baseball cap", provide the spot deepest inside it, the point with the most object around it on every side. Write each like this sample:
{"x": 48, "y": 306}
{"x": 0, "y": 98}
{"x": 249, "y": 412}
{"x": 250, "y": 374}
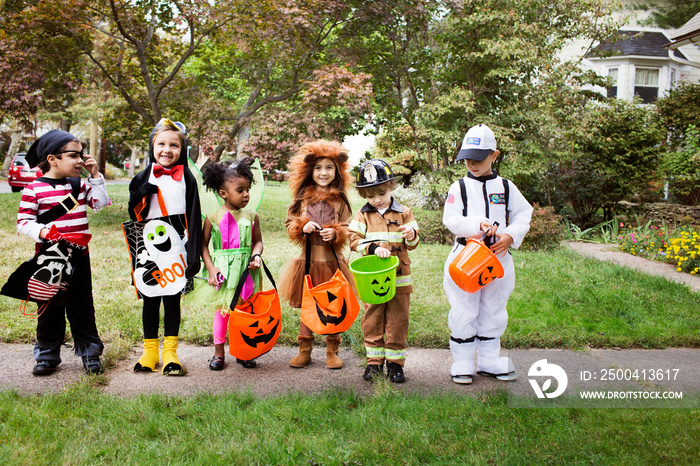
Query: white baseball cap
{"x": 478, "y": 143}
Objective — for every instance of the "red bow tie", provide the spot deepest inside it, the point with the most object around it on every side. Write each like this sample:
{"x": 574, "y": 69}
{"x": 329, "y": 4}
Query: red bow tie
{"x": 175, "y": 172}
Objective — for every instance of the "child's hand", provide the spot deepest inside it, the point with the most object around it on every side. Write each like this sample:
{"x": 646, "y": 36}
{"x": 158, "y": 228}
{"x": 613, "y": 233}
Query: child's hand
{"x": 255, "y": 262}
{"x": 409, "y": 233}
{"x": 327, "y": 234}
{"x": 502, "y": 245}
{"x": 488, "y": 228}
{"x": 91, "y": 166}
{"x": 382, "y": 253}
{"x": 214, "y": 273}
{"x": 310, "y": 227}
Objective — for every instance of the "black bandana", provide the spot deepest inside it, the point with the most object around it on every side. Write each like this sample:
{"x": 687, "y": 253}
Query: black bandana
{"x": 49, "y": 143}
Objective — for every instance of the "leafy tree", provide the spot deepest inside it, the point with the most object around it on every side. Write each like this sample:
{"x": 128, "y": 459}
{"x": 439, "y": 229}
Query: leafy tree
{"x": 440, "y": 67}
{"x": 39, "y": 61}
{"x": 265, "y": 57}
{"x": 671, "y": 14}
{"x": 141, "y": 45}
{"x": 682, "y": 168}
{"x": 613, "y": 154}
{"x": 679, "y": 109}
{"x": 392, "y": 41}
{"x": 332, "y": 106}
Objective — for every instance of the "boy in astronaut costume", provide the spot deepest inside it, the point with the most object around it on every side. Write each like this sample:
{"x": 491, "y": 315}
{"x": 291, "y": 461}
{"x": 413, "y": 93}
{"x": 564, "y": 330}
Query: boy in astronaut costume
{"x": 482, "y": 204}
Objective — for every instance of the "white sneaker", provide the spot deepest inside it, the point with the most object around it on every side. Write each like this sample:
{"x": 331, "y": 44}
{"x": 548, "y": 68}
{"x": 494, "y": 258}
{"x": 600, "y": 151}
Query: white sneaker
{"x": 506, "y": 377}
{"x": 462, "y": 379}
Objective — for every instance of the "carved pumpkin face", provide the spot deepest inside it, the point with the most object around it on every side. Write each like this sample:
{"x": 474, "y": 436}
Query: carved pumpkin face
{"x": 487, "y": 275}
{"x": 256, "y": 334}
{"x": 255, "y": 326}
{"x": 325, "y": 317}
{"x": 330, "y": 307}
{"x": 381, "y": 285}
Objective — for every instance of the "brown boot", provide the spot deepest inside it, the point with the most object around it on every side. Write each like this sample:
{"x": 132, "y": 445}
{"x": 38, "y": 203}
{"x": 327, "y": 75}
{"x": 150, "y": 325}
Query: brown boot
{"x": 304, "y": 357}
{"x": 332, "y": 359}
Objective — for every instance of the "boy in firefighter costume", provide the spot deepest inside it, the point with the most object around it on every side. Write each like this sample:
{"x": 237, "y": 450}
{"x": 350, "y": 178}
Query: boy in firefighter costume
{"x": 385, "y": 228}
{"x": 482, "y": 204}
{"x": 166, "y": 187}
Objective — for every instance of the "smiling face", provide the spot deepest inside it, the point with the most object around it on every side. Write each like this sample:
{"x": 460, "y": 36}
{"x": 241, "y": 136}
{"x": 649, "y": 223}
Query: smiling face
{"x": 323, "y": 173}
{"x": 160, "y": 238}
{"x": 166, "y": 148}
{"x": 70, "y": 162}
{"x": 235, "y": 193}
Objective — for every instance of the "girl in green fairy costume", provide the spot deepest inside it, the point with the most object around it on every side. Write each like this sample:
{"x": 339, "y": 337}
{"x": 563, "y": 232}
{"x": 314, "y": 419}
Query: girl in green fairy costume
{"x": 236, "y": 241}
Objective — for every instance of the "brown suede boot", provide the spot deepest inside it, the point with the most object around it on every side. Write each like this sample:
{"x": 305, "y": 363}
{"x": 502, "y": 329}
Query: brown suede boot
{"x": 332, "y": 359}
{"x": 304, "y": 357}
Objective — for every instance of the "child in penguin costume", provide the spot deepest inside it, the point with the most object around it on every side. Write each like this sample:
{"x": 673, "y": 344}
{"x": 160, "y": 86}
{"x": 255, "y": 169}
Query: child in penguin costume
{"x": 166, "y": 187}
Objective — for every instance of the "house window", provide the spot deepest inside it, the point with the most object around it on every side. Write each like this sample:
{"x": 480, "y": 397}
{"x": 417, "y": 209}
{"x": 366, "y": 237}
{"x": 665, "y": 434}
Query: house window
{"x": 646, "y": 84}
{"x": 674, "y": 77}
{"x": 612, "y": 90}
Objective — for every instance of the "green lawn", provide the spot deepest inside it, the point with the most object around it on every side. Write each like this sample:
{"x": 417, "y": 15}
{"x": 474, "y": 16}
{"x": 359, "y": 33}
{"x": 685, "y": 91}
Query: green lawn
{"x": 83, "y": 426}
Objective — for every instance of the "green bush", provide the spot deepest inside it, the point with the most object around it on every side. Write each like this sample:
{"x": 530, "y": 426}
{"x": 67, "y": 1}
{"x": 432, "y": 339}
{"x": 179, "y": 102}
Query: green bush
{"x": 682, "y": 169}
{"x": 546, "y": 230}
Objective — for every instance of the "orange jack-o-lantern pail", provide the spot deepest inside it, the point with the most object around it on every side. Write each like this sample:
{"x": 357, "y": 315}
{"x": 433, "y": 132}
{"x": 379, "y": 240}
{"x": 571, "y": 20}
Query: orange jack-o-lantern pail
{"x": 254, "y": 326}
{"x": 475, "y": 267}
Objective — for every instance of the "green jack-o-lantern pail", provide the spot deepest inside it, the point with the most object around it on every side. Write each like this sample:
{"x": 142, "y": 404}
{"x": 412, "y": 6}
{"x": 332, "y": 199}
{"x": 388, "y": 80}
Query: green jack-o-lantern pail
{"x": 375, "y": 278}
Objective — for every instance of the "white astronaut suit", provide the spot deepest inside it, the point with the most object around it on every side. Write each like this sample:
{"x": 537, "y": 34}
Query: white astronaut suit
{"x": 477, "y": 320}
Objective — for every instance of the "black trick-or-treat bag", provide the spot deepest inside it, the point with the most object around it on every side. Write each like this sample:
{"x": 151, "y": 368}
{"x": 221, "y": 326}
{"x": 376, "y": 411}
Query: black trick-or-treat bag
{"x": 47, "y": 276}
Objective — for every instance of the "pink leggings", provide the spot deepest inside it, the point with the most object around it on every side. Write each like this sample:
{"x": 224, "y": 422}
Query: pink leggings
{"x": 220, "y": 327}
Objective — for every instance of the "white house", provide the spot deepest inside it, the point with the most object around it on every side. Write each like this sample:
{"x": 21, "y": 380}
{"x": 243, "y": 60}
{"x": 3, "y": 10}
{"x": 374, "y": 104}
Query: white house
{"x": 639, "y": 60}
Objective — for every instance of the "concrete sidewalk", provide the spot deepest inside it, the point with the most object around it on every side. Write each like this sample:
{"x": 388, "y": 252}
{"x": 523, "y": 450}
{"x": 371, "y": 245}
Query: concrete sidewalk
{"x": 427, "y": 372}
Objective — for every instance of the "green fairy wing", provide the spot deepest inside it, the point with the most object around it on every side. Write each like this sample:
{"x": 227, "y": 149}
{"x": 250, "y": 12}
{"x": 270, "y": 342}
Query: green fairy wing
{"x": 258, "y": 188}
{"x": 208, "y": 200}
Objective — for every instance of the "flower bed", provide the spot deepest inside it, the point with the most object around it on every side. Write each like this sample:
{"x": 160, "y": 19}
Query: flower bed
{"x": 680, "y": 247}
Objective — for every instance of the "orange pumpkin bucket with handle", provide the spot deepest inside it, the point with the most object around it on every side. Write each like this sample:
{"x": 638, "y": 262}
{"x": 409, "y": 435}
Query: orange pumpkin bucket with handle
{"x": 475, "y": 267}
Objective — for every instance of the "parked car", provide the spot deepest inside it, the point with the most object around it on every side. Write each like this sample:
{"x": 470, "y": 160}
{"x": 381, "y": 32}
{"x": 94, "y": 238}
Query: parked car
{"x": 20, "y": 174}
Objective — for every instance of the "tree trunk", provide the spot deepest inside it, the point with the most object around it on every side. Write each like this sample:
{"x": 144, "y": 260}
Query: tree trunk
{"x": 15, "y": 139}
{"x": 94, "y": 149}
{"x": 242, "y": 138}
{"x": 431, "y": 165}
{"x": 133, "y": 161}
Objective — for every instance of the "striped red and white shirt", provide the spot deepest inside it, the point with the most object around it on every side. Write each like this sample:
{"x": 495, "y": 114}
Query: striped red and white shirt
{"x": 43, "y": 194}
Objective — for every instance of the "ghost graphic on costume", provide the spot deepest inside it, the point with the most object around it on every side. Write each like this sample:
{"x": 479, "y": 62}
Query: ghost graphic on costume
{"x": 163, "y": 260}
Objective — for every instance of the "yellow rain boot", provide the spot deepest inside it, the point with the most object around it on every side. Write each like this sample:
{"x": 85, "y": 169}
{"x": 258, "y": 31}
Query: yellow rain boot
{"x": 332, "y": 359}
{"x": 150, "y": 358}
{"x": 171, "y": 364}
{"x": 304, "y": 357}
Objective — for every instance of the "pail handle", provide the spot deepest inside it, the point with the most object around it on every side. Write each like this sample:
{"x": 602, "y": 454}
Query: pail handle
{"x": 244, "y": 276}
{"x": 495, "y": 224}
{"x": 307, "y": 265}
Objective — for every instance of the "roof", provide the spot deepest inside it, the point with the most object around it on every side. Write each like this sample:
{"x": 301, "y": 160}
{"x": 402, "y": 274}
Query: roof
{"x": 638, "y": 43}
{"x": 688, "y": 33}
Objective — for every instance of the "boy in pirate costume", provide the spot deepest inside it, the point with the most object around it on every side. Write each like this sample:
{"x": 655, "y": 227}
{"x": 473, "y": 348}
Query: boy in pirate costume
{"x": 385, "y": 228}
{"x": 51, "y": 206}
{"x": 166, "y": 187}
